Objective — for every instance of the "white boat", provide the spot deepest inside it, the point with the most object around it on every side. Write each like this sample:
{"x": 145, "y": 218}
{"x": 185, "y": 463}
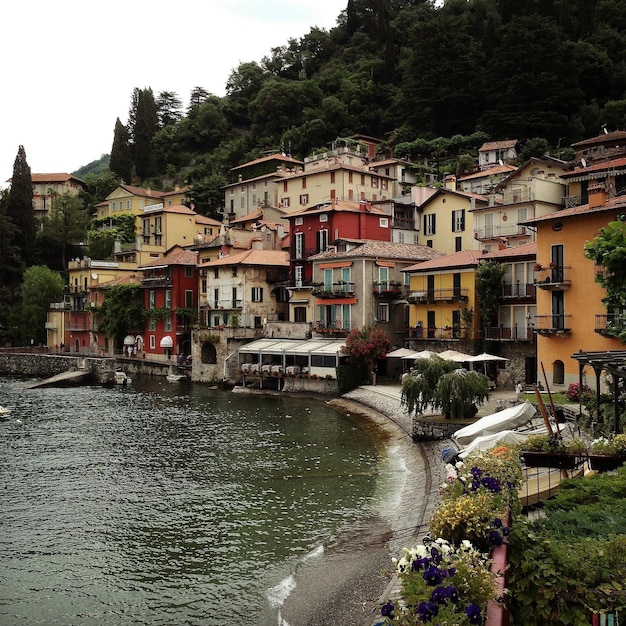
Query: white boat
{"x": 4, "y": 412}
{"x": 121, "y": 378}
{"x": 174, "y": 378}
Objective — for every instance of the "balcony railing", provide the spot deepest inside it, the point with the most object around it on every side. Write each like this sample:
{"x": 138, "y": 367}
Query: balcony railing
{"x": 552, "y": 276}
{"x": 610, "y": 324}
{"x": 509, "y": 333}
{"x": 495, "y": 232}
{"x": 337, "y": 328}
{"x": 439, "y": 295}
{"x": 157, "y": 281}
{"x": 552, "y": 324}
{"x": 389, "y": 290}
{"x": 519, "y": 290}
{"x": 336, "y": 290}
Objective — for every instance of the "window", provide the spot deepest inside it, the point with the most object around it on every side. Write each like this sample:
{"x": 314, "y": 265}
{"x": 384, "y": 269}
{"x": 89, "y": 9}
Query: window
{"x": 374, "y": 182}
{"x": 332, "y": 177}
{"x": 298, "y": 275}
{"x": 384, "y": 222}
{"x": 188, "y": 271}
{"x": 328, "y": 280}
{"x": 430, "y": 224}
{"x": 299, "y": 314}
{"x": 232, "y": 191}
{"x": 152, "y": 324}
{"x": 188, "y": 298}
{"x": 216, "y": 298}
{"x": 383, "y": 277}
{"x": 285, "y": 186}
{"x": 458, "y": 244}
{"x": 322, "y": 240}
{"x": 458, "y": 221}
{"x": 299, "y": 221}
{"x": 168, "y": 299}
{"x": 350, "y": 177}
{"x": 285, "y": 202}
{"x": 152, "y": 342}
{"x": 203, "y": 286}
{"x": 233, "y": 294}
{"x": 168, "y": 323}
{"x": 383, "y": 312}
{"x": 242, "y": 203}
{"x": 324, "y": 217}
{"x": 383, "y": 184}
{"x": 253, "y": 185}
{"x": 257, "y": 294}
{"x": 234, "y": 271}
{"x": 304, "y": 182}
{"x": 151, "y": 300}
{"x": 216, "y": 272}
{"x": 299, "y": 245}
{"x": 304, "y": 198}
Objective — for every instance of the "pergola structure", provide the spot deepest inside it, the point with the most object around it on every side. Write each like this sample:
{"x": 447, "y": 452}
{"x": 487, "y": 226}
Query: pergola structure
{"x": 611, "y": 361}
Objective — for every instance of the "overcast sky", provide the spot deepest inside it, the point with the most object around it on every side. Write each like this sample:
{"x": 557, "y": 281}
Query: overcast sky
{"x": 69, "y": 68}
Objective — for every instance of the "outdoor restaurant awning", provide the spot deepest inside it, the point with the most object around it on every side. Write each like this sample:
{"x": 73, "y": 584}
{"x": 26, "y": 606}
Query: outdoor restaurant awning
{"x": 293, "y": 346}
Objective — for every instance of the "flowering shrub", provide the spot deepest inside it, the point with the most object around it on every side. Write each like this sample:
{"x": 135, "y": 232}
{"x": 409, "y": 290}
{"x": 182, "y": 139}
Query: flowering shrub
{"x": 615, "y": 446}
{"x": 442, "y": 584}
{"x": 573, "y": 391}
{"x": 554, "y": 444}
{"x": 366, "y": 346}
{"x": 448, "y": 581}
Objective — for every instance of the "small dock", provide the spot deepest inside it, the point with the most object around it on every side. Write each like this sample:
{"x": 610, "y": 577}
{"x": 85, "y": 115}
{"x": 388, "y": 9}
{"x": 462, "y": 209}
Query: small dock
{"x": 64, "y": 379}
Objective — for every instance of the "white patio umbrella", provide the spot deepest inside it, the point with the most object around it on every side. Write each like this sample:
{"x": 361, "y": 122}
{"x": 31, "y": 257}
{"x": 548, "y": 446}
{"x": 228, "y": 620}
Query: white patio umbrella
{"x": 400, "y": 353}
{"x": 479, "y": 358}
{"x": 454, "y": 355}
{"x": 423, "y": 354}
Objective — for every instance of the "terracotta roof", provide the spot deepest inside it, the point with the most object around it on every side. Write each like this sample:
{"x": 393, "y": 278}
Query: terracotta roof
{"x": 464, "y": 258}
{"x": 174, "y": 256}
{"x": 179, "y": 208}
{"x": 270, "y": 157}
{"x": 254, "y": 215}
{"x": 122, "y": 280}
{"x": 141, "y": 191}
{"x": 203, "y": 219}
{"x": 495, "y": 145}
{"x": 337, "y": 205}
{"x": 277, "y": 174}
{"x": 526, "y": 249}
{"x": 498, "y": 169}
{"x": 182, "y": 190}
{"x": 54, "y": 178}
{"x": 253, "y": 257}
{"x": 381, "y": 249}
{"x": 596, "y": 167}
{"x": 600, "y": 139}
{"x": 613, "y": 204}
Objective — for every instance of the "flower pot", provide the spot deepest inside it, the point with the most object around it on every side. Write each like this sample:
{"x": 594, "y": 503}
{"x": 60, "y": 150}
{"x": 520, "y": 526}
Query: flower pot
{"x": 605, "y": 462}
{"x": 549, "y": 459}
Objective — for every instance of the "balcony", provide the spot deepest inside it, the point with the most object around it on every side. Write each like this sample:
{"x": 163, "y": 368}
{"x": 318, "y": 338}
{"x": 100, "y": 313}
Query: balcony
{"x": 335, "y": 329}
{"x": 390, "y": 290}
{"x": 157, "y": 281}
{"x": 548, "y": 325}
{"x": 519, "y": 291}
{"x": 552, "y": 276}
{"x": 610, "y": 324}
{"x": 509, "y": 333}
{"x": 336, "y": 290}
{"x": 497, "y": 232}
{"x": 438, "y": 295}
{"x": 403, "y": 223}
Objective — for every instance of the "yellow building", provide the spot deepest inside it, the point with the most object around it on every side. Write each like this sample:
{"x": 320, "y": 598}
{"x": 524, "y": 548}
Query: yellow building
{"x": 570, "y": 314}
{"x": 448, "y": 220}
{"x": 442, "y": 298}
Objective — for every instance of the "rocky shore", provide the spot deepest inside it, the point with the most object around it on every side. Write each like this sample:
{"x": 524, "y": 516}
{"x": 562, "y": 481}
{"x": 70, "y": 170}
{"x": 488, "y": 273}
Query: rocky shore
{"x": 348, "y": 584}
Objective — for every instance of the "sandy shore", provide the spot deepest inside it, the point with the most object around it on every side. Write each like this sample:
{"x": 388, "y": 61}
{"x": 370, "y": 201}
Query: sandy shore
{"x": 347, "y": 584}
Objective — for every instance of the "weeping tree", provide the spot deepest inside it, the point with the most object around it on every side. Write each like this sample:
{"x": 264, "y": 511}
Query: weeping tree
{"x": 418, "y": 389}
{"x": 443, "y": 386}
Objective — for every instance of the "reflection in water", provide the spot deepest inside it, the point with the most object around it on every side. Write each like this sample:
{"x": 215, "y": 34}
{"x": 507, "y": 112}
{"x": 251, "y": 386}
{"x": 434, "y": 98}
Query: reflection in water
{"x": 167, "y": 504}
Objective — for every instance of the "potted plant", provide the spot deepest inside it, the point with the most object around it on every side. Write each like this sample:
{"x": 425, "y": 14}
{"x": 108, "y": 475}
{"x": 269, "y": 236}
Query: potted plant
{"x": 552, "y": 451}
{"x": 607, "y": 454}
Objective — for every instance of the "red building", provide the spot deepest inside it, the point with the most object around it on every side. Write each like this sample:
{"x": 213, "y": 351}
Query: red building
{"x": 314, "y": 230}
{"x": 171, "y": 299}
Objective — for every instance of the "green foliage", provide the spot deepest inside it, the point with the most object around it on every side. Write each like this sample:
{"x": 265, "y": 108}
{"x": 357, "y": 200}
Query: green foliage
{"x": 121, "y": 161}
{"x": 350, "y": 377}
{"x": 122, "y": 311}
{"x": 103, "y": 231}
{"x": 489, "y": 277}
{"x": 572, "y": 561}
{"x": 441, "y": 385}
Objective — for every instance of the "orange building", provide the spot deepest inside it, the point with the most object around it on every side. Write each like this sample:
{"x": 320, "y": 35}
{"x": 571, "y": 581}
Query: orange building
{"x": 570, "y": 314}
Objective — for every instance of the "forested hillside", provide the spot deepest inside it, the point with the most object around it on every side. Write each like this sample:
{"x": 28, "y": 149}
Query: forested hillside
{"x": 404, "y": 70}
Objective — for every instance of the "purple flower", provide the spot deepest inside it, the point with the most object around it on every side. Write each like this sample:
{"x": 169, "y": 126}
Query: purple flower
{"x": 433, "y": 576}
{"x": 426, "y": 610}
{"x": 497, "y": 522}
{"x": 473, "y": 614}
{"x": 443, "y": 595}
{"x": 476, "y": 472}
{"x": 495, "y": 538}
{"x": 420, "y": 564}
{"x": 387, "y": 609}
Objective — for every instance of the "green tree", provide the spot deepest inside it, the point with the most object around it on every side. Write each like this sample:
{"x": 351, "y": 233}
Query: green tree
{"x": 66, "y": 223}
{"x": 146, "y": 126}
{"x": 608, "y": 250}
{"x": 20, "y": 209}
{"x": 121, "y": 162}
{"x": 169, "y": 108}
{"x": 41, "y": 287}
{"x": 419, "y": 387}
{"x": 122, "y": 311}
{"x": 489, "y": 275}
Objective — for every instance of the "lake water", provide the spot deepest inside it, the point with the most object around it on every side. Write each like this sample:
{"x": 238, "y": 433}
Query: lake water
{"x": 173, "y": 504}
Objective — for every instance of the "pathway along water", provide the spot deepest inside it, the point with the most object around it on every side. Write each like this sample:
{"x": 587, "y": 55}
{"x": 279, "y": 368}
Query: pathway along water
{"x": 173, "y": 504}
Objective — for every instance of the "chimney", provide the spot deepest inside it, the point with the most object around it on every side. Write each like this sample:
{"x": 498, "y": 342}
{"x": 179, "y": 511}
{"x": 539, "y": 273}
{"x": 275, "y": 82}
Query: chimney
{"x": 597, "y": 195}
{"x": 449, "y": 183}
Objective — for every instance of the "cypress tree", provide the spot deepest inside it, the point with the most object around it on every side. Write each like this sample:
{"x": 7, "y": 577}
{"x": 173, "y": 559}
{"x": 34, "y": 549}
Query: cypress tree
{"x": 20, "y": 209}
{"x": 121, "y": 161}
{"x": 146, "y": 126}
